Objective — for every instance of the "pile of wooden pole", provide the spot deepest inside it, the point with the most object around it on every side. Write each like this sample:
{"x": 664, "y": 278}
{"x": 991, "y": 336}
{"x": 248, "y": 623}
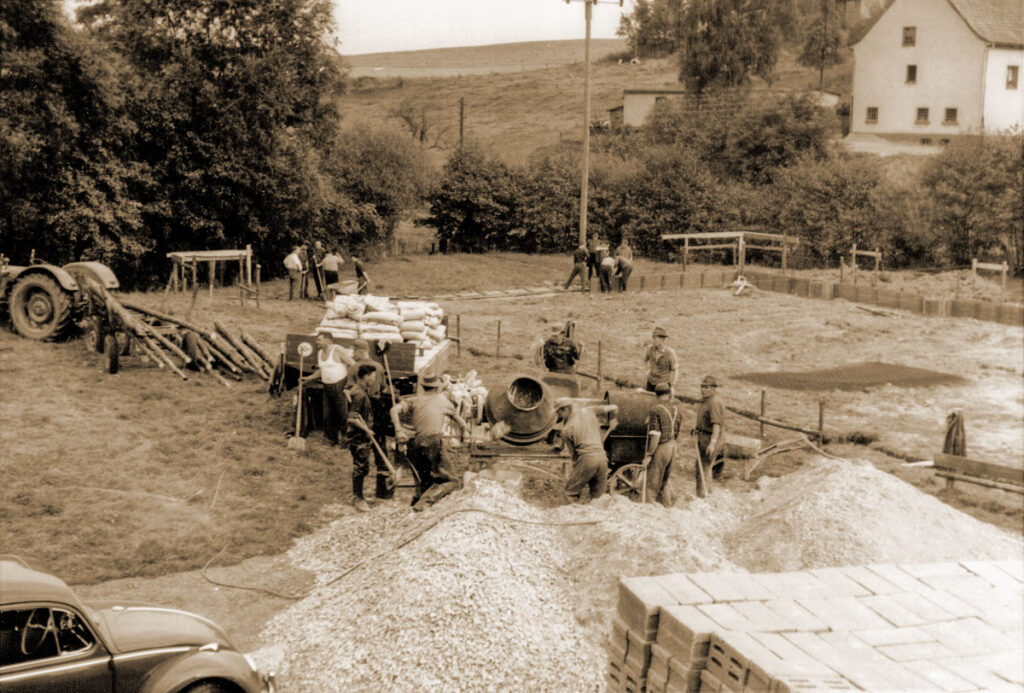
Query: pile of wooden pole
{"x": 216, "y": 351}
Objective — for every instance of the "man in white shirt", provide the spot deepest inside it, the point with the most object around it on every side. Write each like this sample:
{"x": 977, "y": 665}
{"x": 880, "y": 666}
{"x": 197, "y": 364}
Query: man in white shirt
{"x": 332, "y": 265}
{"x": 293, "y": 264}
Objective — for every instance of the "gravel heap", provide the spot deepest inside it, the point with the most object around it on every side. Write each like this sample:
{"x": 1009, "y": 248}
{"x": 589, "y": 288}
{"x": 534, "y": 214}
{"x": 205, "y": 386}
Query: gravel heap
{"x": 476, "y": 602}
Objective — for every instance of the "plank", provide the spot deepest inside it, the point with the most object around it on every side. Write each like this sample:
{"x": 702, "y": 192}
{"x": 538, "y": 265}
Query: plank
{"x": 710, "y": 234}
{"x": 969, "y": 467}
{"x": 759, "y": 236}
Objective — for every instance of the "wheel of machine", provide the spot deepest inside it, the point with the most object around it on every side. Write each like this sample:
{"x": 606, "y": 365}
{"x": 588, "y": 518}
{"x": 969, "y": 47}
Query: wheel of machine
{"x": 112, "y": 352}
{"x": 627, "y": 481}
{"x": 39, "y": 307}
{"x": 93, "y": 336}
{"x": 209, "y": 687}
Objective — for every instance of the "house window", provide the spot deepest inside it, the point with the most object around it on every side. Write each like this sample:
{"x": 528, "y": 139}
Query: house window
{"x": 910, "y": 36}
{"x": 927, "y": 141}
{"x": 1012, "y": 76}
{"x": 950, "y": 116}
{"x": 944, "y": 141}
{"x": 911, "y": 74}
{"x": 922, "y": 116}
{"x": 872, "y": 114}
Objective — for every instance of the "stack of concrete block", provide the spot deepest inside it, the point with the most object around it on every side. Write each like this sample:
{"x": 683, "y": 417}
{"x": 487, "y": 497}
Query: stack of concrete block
{"x": 942, "y": 627}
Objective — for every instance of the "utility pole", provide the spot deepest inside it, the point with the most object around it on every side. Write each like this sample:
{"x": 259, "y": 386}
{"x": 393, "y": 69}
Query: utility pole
{"x": 462, "y": 117}
{"x": 585, "y": 173}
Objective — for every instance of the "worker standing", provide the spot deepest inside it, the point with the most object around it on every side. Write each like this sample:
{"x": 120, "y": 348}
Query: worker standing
{"x": 332, "y": 364}
{"x": 362, "y": 279}
{"x": 304, "y": 279}
{"x": 581, "y": 434}
{"x": 560, "y": 352}
{"x": 332, "y": 265}
{"x": 359, "y": 445}
{"x": 317, "y": 266}
{"x": 607, "y": 269}
{"x": 660, "y": 361}
{"x": 663, "y": 425}
{"x": 710, "y": 432}
{"x": 579, "y": 267}
{"x": 293, "y": 264}
{"x": 429, "y": 410}
{"x": 623, "y": 264}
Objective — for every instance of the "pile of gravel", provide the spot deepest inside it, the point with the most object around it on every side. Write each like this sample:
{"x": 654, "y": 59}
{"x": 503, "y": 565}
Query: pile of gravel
{"x": 472, "y": 601}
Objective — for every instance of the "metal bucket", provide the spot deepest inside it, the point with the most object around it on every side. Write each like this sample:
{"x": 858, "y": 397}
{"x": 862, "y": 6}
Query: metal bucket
{"x": 526, "y": 406}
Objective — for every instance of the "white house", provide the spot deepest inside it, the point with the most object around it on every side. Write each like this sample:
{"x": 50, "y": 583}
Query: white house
{"x": 637, "y": 104}
{"x": 934, "y": 69}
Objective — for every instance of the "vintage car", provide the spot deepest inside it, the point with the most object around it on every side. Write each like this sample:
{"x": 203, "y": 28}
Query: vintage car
{"x": 51, "y": 641}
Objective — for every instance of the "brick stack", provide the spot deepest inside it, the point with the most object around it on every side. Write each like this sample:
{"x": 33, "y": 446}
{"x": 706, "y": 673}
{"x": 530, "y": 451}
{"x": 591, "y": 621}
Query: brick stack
{"x": 936, "y": 627}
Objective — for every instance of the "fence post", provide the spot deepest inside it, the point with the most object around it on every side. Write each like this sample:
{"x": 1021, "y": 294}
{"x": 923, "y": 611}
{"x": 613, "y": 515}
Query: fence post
{"x": 686, "y": 253}
{"x": 974, "y": 266}
{"x": 742, "y": 253}
{"x": 497, "y": 344}
{"x": 821, "y": 420}
{"x": 878, "y": 264}
{"x": 258, "y": 270}
{"x": 1006, "y": 267}
{"x": 599, "y": 383}
{"x": 764, "y": 396}
{"x": 458, "y": 335}
{"x": 785, "y": 251}
{"x": 853, "y": 262}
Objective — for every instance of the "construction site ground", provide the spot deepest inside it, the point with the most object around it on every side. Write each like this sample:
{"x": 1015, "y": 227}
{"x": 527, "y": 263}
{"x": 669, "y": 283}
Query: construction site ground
{"x": 135, "y": 450}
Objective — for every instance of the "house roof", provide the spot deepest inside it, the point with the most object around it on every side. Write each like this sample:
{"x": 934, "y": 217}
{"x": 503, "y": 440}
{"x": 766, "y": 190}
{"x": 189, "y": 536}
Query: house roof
{"x": 996, "y": 21}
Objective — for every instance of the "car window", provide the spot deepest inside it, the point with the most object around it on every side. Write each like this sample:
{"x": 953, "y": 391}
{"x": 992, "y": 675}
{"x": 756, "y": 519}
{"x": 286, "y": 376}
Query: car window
{"x": 39, "y": 633}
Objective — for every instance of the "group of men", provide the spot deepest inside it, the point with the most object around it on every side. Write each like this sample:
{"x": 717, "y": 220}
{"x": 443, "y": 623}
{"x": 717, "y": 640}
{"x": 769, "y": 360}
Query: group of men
{"x": 326, "y": 268}
{"x": 611, "y": 270}
{"x": 584, "y": 437}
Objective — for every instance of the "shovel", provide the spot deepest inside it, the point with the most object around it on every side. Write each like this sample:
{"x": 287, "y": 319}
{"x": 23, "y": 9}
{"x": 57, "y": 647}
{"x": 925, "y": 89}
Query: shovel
{"x": 297, "y": 442}
{"x": 705, "y": 483}
{"x": 394, "y": 473}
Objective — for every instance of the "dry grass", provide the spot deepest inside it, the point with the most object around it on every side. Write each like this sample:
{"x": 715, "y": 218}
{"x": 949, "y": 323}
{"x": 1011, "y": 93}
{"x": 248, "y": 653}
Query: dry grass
{"x": 106, "y": 476}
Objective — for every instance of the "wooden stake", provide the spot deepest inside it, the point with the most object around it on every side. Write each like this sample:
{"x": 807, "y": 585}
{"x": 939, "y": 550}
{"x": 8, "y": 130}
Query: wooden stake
{"x": 599, "y": 382}
{"x": 497, "y": 345}
{"x": 764, "y": 412}
{"x": 821, "y": 420}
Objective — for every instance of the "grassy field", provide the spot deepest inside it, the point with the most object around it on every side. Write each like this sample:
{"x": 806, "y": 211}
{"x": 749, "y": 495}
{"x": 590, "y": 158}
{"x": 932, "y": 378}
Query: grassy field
{"x": 143, "y": 474}
{"x": 514, "y": 113}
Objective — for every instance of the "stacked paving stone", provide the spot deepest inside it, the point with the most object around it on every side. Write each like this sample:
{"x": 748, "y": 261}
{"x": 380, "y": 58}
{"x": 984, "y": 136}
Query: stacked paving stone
{"x": 936, "y": 627}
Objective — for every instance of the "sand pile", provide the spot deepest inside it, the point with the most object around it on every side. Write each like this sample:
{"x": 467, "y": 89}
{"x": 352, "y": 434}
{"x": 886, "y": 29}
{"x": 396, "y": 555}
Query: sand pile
{"x": 477, "y": 602}
{"x": 836, "y": 513}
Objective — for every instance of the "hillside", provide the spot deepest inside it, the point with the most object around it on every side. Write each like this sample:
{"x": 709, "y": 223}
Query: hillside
{"x": 513, "y": 113}
{"x": 475, "y": 60}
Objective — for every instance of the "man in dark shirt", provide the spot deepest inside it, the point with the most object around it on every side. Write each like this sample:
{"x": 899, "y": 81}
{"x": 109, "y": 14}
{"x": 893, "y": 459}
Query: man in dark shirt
{"x": 362, "y": 279}
{"x": 579, "y": 267}
{"x": 710, "y": 432}
{"x": 359, "y": 444}
{"x": 561, "y": 353}
{"x": 663, "y": 425}
{"x": 581, "y": 435}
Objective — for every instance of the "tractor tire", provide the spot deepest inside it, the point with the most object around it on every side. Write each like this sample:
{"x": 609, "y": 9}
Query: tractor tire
{"x": 112, "y": 352}
{"x": 40, "y": 308}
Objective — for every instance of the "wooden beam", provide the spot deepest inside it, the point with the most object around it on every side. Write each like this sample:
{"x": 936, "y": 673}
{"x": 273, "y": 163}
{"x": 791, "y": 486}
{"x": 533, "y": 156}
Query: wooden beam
{"x": 712, "y": 234}
{"x": 952, "y": 476}
{"x": 964, "y": 465}
{"x": 758, "y": 236}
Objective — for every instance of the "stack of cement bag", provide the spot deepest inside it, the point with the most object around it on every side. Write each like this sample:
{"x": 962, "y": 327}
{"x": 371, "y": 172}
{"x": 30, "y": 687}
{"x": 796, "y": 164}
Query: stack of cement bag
{"x": 377, "y": 319}
{"x": 468, "y": 394}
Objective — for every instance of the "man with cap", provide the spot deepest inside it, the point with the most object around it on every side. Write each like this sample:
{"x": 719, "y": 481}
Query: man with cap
{"x": 580, "y": 257}
{"x": 663, "y": 424}
{"x": 560, "y": 352}
{"x": 429, "y": 410}
{"x": 660, "y": 361}
{"x": 378, "y": 405}
{"x": 710, "y": 432}
{"x": 362, "y": 278}
{"x": 581, "y": 434}
{"x": 360, "y": 422}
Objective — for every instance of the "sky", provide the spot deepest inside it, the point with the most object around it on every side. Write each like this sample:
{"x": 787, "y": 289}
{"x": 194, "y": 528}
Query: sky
{"x": 377, "y": 26}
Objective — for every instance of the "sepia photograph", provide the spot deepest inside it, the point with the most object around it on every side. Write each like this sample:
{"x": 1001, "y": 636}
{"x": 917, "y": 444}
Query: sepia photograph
{"x": 511, "y": 346}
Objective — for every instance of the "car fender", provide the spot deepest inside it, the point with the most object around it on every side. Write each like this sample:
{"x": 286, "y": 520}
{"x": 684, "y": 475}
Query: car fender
{"x": 66, "y": 281}
{"x": 103, "y": 275}
{"x": 201, "y": 664}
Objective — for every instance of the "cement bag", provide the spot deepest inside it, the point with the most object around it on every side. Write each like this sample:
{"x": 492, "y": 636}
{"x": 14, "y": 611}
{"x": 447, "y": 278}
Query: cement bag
{"x": 412, "y": 326}
{"x": 413, "y": 336}
{"x": 381, "y": 336}
{"x": 431, "y": 321}
{"x": 341, "y": 324}
{"x": 347, "y": 306}
{"x": 386, "y": 317}
{"x": 412, "y": 314}
{"x": 379, "y": 304}
{"x": 375, "y": 327}
{"x": 338, "y": 334}
{"x": 436, "y": 333}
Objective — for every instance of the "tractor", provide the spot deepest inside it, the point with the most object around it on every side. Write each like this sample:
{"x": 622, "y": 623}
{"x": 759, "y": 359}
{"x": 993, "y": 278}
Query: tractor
{"x": 45, "y": 301}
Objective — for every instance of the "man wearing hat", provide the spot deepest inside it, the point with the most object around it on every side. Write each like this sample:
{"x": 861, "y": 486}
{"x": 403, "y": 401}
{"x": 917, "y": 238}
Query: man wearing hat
{"x": 359, "y": 445}
{"x": 428, "y": 410}
{"x": 663, "y": 425}
{"x": 560, "y": 352}
{"x": 710, "y": 431}
{"x": 579, "y": 267}
{"x": 660, "y": 361}
{"x": 378, "y": 404}
{"x": 581, "y": 434}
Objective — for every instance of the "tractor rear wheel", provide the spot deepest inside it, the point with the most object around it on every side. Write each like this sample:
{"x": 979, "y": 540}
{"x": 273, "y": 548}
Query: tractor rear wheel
{"x": 93, "y": 336}
{"x": 39, "y": 307}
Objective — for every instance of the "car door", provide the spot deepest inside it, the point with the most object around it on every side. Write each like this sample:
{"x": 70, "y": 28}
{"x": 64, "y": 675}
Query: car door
{"x": 46, "y": 648}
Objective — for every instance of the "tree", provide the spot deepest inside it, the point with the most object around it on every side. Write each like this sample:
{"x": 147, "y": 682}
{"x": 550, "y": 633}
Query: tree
{"x": 66, "y": 169}
{"x": 977, "y": 194}
{"x": 233, "y": 102}
{"x": 824, "y": 43}
{"x": 474, "y": 207}
{"x": 652, "y": 27}
{"x": 423, "y": 130}
{"x": 726, "y": 42}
